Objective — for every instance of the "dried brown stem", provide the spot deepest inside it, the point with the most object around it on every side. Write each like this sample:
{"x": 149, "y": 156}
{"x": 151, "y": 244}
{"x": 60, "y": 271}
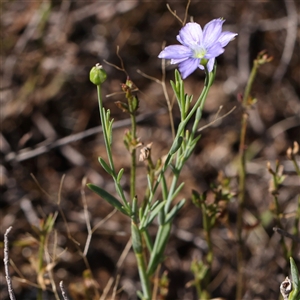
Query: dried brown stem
{"x": 6, "y": 260}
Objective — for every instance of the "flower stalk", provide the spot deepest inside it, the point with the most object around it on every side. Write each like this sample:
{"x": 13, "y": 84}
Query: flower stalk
{"x": 247, "y": 102}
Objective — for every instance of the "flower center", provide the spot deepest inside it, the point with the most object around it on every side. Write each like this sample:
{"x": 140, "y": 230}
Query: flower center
{"x": 199, "y": 52}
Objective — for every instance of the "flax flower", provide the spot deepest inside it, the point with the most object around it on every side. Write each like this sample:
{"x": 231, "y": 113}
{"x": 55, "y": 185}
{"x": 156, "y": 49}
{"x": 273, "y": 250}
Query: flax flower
{"x": 199, "y": 47}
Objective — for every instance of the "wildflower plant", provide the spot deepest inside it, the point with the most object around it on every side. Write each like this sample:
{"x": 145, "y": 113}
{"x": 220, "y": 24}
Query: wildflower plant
{"x": 152, "y": 214}
{"x": 198, "y": 50}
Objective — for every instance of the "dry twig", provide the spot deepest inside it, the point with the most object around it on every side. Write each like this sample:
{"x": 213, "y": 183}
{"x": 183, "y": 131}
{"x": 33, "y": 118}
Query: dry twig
{"x": 286, "y": 234}
{"x": 27, "y": 154}
{"x": 6, "y": 260}
{"x": 63, "y": 292}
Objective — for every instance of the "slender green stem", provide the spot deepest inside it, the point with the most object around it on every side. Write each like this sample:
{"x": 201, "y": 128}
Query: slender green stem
{"x": 108, "y": 148}
{"x": 242, "y": 181}
{"x": 241, "y": 203}
{"x": 278, "y": 214}
{"x": 172, "y": 190}
{"x": 199, "y": 103}
{"x": 41, "y": 263}
{"x": 198, "y": 287}
{"x": 296, "y": 227}
{"x": 207, "y": 229}
{"x": 148, "y": 240}
{"x": 145, "y": 282}
{"x": 104, "y": 122}
{"x": 133, "y": 155}
{"x": 133, "y": 174}
{"x": 164, "y": 229}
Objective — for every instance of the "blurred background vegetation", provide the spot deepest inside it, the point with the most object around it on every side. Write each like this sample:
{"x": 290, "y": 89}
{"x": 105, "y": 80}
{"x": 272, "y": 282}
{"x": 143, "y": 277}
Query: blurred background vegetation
{"x": 47, "y": 51}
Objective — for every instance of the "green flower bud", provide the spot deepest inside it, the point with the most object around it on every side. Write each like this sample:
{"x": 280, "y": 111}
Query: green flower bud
{"x": 97, "y": 75}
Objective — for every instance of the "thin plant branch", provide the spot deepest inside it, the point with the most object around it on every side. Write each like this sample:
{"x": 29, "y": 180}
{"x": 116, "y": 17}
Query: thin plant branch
{"x": 162, "y": 82}
{"x": 148, "y": 76}
{"x": 87, "y": 218}
{"x": 63, "y": 292}
{"x": 63, "y": 215}
{"x": 174, "y": 13}
{"x": 101, "y": 222}
{"x": 164, "y": 87}
{"x": 119, "y": 265}
{"x": 6, "y": 268}
{"x": 286, "y": 234}
{"x": 24, "y": 280}
{"x": 122, "y": 68}
{"x": 217, "y": 118}
{"x": 26, "y": 154}
{"x": 39, "y": 186}
{"x": 115, "y": 287}
{"x": 156, "y": 283}
{"x": 186, "y": 11}
{"x": 77, "y": 244}
{"x": 50, "y": 272}
{"x": 247, "y": 102}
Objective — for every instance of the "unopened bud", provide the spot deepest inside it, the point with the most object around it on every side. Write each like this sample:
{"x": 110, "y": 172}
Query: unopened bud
{"x": 97, "y": 75}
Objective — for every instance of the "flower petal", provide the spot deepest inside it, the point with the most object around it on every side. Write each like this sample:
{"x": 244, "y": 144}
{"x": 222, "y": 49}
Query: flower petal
{"x": 201, "y": 67}
{"x": 178, "y": 60}
{"x": 226, "y": 37}
{"x": 175, "y": 52}
{"x": 210, "y": 64}
{"x": 211, "y": 32}
{"x": 190, "y": 35}
{"x": 214, "y": 51}
{"x": 188, "y": 66}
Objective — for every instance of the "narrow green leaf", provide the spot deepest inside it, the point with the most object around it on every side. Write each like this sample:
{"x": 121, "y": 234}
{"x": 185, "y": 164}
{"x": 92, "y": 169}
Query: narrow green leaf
{"x": 136, "y": 239}
{"x": 175, "y": 89}
{"x": 174, "y": 211}
{"x": 120, "y": 174}
{"x": 140, "y": 294}
{"x": 149, "y": 183}
{"x": 105, "y": 166}
{"x": 108, "y": 197}
{"x": 295, "y": 294}
{"x": 159, "y": 247}
{"x": 178, "y": 190}
{"x": 155, "y": 212}
{"x": 177, "y": 76}
{"x": 161, "y": 217}
{"x": 154, "y": 205}
{"x": 187, "y": 101}
{"x": 176, "y": 145}
{"x": 182, "y": 94}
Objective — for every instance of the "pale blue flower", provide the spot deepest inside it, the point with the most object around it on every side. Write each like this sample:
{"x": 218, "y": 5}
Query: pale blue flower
{"x": 199, "y": 48}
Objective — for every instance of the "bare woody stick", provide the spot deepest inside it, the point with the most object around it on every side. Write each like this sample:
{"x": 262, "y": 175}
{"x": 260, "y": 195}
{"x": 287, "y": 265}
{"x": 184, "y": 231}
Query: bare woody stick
{"x": 6, "y": 260}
